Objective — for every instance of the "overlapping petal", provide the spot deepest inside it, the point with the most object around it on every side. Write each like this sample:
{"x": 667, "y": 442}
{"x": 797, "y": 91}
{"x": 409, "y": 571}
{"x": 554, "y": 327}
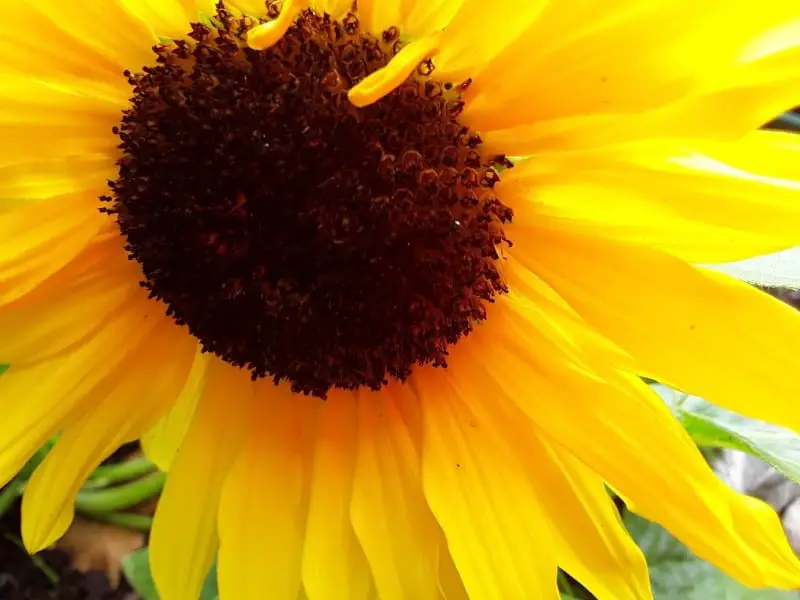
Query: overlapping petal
{"x": 162, "y": 441}
{"x": 391, "y": 518}
{"x": 701, "y": 200}
{"x": 706, "y": 333}
{"x": 625, "y": 58}
{"x": 57, "y": 391}
{"x": 92, "y": 41}
{"x": 264, "y": 502}
{"x": 122, "y": 409}
{"x": 184, "y": 536}
{"x": 617, "y": 426}
{"x": 330, "y": 535}
{"x": 495, "y": 529}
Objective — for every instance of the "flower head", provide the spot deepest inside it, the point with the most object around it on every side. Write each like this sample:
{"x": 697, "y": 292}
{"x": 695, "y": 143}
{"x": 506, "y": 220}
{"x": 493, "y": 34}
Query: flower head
{"x": 285, "y": 246}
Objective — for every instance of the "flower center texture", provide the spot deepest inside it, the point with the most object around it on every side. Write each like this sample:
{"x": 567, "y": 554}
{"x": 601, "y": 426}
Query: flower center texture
{"x": 294, "y": 234}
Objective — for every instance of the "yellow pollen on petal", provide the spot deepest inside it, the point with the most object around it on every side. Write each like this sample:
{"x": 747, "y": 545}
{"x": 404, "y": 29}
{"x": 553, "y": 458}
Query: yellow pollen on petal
{"x": 267, "y": 35}
{"x": 383, "y": 81}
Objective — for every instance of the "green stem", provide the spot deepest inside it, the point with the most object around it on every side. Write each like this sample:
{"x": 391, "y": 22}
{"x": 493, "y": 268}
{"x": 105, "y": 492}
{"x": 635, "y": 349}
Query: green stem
{"x": 126, "y": 520}
{"x": 564, "y": 584}
{"x": 37, "y": 459}
{"x": 10, "y": 494}
{"x": 107, "y": 475}
{"x": 120, "y": 497}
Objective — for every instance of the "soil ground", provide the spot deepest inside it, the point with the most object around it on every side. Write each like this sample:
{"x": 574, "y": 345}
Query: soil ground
{"x": 21, "y": 578}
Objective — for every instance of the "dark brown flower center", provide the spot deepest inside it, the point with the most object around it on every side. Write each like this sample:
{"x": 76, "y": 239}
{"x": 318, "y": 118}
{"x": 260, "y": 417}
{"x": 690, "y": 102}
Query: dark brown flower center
{"x": 294, "y": 234}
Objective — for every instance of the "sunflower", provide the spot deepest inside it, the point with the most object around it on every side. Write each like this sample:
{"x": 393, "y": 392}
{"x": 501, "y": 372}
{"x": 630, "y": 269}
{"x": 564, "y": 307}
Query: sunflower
{"x": 285, "y": 246}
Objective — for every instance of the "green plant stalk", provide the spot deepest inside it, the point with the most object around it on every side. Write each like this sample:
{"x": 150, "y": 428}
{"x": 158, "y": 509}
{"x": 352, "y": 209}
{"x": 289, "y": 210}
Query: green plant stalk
{"x": 107, "y": 475}
{"x": 16, "y": 486}
{"x": 35, "y": 460}
{"x": 127, "y": 520}
{"x": 120, "y": 497}
{"x": 564, "y": 584}
{"x": 9, "y": 495}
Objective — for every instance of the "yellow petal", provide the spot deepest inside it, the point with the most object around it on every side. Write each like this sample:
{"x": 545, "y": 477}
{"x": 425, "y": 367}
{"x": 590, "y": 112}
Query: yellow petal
{"x": 255, "y": 8}
{"x": 162, "y": 441}
{"x": 747, "y": 98}
{"x": 184, "y": 535}
{"x": 763, "y": 85}
{"x": 54, "y": 214}
{"x": 389, "y": 513}
{"x": 451, "y": 587}
{"x": 496, "y": 532}
{"x": 376, "y": 85}
{"x": 30, "y": 100}
{"x": 592, "y": 543}
{"x": 95, "y": 40}
{"x": 705, "y": 202}
{"x": 620, "y": 429}
{"x": 766, "y": 153}
{"x": 44, "y": 178}
{"x": 164, "y": 18}
{"x": 376, "y": 16}
{"x": 119, "y": 411}
{"x": 475, "y": 35}
{"x": 622, "y": 58}
{"x": 706, "y": 333}
{"x": 53, "y": 141}
{"x": 329, "y": 537}
{"x": 44, "y": 120}
{"x": 335, "y": 8}
{"x": 39, "y": 401}
{"x": 195, "y": 8}
{"x": 535, "y": 306}
{"x": 423, "y": 17}
{"x": 266, "y": 35}
{"x": 263, "y": 509}
{"x": 88, "y": 289}
{"x": 725, "y": 114}
{"x": 587, "y": 537}
{"x": 39, "y": 239}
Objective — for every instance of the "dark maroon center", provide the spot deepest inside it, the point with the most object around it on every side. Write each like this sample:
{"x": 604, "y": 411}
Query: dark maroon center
{"x": 296, "y": 235}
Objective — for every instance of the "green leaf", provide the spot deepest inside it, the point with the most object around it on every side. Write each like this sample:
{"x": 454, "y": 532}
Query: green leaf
{"x": 210, "y": 591}
{"x": 136, "y": 567}
{"x": 3, "y": 369}
{"x": 714, "y": 427}
{"x": 677, "y": 574}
